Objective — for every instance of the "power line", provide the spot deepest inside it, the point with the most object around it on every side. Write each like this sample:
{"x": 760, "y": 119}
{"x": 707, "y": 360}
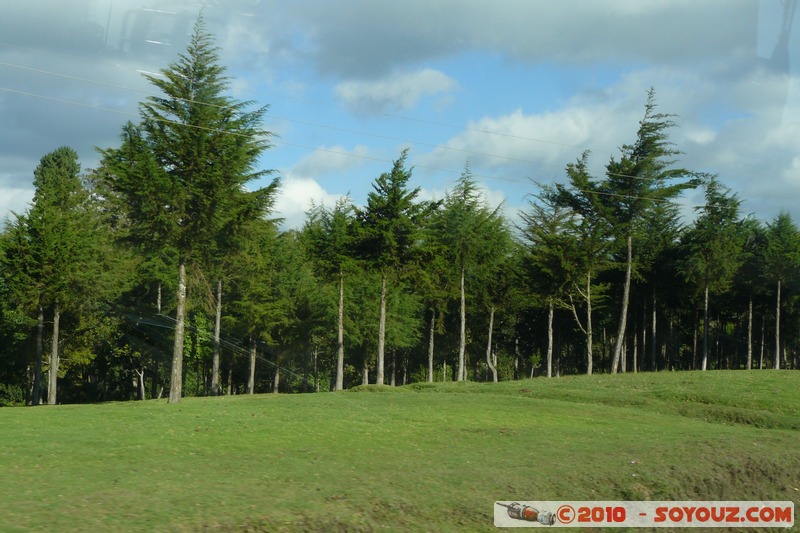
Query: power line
{"x": 277, "y": 141}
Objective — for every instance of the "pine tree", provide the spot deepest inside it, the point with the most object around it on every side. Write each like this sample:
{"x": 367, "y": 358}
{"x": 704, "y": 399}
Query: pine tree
{"x": 644, "y": 174}
{"x": 715, "y": 245}
{"x": 328, "y": 236}
{"x": 51, "y": 253}
{"x": 782, "y": 257}
{"x": 470, "y": 232}
{"x": 182, "y": 173}
{"x": 387, "y": 231}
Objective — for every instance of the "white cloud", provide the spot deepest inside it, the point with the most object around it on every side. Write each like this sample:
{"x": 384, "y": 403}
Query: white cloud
{"x": 300, "y": 186}
{"x": 330, "y": 159}
{"x": 398, "y": 92}
{"x": 14, "y": 199}
{"x": 295, "y": 198}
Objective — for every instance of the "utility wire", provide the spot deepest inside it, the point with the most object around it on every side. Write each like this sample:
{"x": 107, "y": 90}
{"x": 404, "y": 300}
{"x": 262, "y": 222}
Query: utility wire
{"x": 307, "y": 147}
{"x": 311, "y": 124}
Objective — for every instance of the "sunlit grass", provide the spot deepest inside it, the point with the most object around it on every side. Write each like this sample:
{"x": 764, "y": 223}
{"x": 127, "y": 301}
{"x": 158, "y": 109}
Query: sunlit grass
{"x": 416, "y": 458}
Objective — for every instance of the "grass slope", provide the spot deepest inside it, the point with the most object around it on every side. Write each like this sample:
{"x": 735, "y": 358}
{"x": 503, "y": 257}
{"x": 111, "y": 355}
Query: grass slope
{"x": 419, "y": 458}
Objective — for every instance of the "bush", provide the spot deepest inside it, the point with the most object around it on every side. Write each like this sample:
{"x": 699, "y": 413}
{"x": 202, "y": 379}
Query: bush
{"x": 11, "y": 395}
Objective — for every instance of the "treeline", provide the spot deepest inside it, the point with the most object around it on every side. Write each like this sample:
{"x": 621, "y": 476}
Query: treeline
{"x": 165, "y": 272}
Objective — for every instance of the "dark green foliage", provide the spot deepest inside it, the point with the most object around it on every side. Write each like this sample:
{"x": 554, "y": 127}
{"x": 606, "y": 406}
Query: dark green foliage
{"x": 389, "y": 225}
{"x": 176, "y": 195}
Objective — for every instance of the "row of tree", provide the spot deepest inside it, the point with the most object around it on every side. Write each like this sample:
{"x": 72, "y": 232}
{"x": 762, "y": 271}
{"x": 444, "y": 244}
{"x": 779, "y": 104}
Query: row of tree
{"x": 164, "y": 269}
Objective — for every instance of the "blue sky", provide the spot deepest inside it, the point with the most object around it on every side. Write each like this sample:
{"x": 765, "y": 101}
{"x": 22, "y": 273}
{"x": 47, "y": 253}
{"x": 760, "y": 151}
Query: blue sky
{"x": 519, "y": 88}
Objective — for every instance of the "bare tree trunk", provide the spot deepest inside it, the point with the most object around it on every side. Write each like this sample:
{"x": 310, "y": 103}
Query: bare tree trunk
{"x": 176, "y": 376}
{"x": 761, "y": 352}
{"x": 430, "y": 345}
{"x": 340, "y": 337}
{"x": 516, "y": 358}
{"x": 777, "y": 364}
{"x": 623, "y": 317}
{"x": 251, "y": 379}
{"x": 315, "y": 354}
{"x": 140, "y": 379}
{"x": 276, "y": 381}
{"x": 365, "y": 374}
{"x": 393, "y": 377}
{"x": 52, "y": 390}
{"x": 489, "y": 346}
{"x": 550, "y": 340}
{"x": 462, "y": 371}
{"x": 705, "y": 328}
{"x": 635, "y": 348}
{"x": 589, "y": 339}
{"x": 623, "y": 359}
{"x": 217, "y": 331}
{"x": 37, "y": 378}
{"x": 381, "y": 331}
{"x": 158, "y": 298}
{"x": 750, "y": 335}
{"x": 653, "y": 331}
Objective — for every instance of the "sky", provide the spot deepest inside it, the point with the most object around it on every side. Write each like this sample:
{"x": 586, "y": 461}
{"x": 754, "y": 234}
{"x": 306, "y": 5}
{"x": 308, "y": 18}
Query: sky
{"x": 516, "y": 89}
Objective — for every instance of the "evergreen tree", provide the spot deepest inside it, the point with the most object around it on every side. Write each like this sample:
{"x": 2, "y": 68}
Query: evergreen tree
{"x": 387, "y": 232}
{"x": 182, "y": 173}
{"x": 471, "y": 234}
{"x": 328, "y": 235}
{"x": 644, "y": 174}
{"x": 546, "y": 231}
{"x": 714, "y": 244}
{"x": 51, "y": 253}
{"x": 782, "y": 257}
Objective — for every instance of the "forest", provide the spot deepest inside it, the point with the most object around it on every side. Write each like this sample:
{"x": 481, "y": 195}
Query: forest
{"x": 165, "y": 273}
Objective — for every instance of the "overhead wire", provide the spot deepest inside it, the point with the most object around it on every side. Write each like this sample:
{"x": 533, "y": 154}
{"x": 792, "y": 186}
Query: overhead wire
{"x": 275, "y": 140}
{"x": 232, "y": 346}
{"x": 311, "y": 124}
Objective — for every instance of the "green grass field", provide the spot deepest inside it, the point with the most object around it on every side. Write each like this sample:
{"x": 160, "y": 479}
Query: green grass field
{"x": 415, "y": 458}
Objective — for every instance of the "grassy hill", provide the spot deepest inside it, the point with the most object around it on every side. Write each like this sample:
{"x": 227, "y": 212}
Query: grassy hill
{"x": 418, "y": 458}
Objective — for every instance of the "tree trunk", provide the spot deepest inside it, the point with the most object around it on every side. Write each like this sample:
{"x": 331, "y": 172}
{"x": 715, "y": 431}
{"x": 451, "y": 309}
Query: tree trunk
{"x": 365, "y": 374}
{"x": 217, "y": 331}
{"x": 462, "y": 371}
{"x": 589, "y": 339}
{"x": 626, "y": 291}
{"x": 251, "y": 379}
{"x": 140, "y": 379}
{"x": 430, "y": 345}
{"x": 276, "y": 381}
{"x": 705, "y": 328}
{"x": 750, "y": 335}
{"x": 635, "y": 348}
{"x": 489, "y": 346}
{"x": 516, "y": 358}
{"x": 158, "y": 298}
{"x": 176, "y": 377}
{"x": 393, "y": 376}
{"x": 654, "y": 365}
{"x": 381, "y": 331}
{"x": 37, "y": 378}
{"x": 340, "y": 337}
{"x": 777, "y": 364}
{"x": 550, "y": 340}
{"x": 316, "y": 373}
{"x": 761, "y": 351}
{"x": 52, "y": 388}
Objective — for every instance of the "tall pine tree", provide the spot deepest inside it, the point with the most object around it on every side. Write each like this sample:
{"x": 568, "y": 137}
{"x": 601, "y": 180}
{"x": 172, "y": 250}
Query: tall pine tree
{"x": 182, "y": 173}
